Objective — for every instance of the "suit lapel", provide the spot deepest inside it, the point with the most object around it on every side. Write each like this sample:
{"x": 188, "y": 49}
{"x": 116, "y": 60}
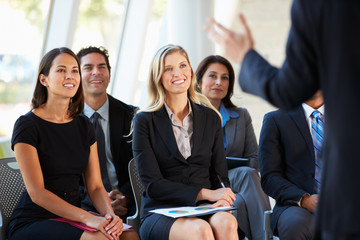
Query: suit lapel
{"x": 297, "y": 115}
{"x": 163, "y": 126}
{"x": 230, "y": 130}
{"x": 198, "y": 126}
{"x": 116, "y": 130}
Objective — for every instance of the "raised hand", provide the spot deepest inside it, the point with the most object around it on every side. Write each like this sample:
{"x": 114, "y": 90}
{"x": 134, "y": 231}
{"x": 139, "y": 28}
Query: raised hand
{"x": 235, "y": 45}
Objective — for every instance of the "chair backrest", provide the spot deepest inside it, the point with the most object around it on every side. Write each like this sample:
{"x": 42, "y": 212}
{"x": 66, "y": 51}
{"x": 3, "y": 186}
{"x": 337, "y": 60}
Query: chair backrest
{"x": 138, "y": 189}
{"x": 11, "y": 188}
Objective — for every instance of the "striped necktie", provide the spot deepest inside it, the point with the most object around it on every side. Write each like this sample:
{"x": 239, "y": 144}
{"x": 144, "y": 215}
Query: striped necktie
{"x": 317, "y": 128}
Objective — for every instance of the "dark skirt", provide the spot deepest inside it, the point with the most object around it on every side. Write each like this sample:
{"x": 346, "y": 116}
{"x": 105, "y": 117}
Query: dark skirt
{"x": 156, "y": 227}
{"x": 45, "y": 230}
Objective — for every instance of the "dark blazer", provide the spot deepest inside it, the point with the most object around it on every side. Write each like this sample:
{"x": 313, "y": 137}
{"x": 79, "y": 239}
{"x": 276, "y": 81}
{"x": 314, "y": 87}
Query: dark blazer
{"x": 286, "y": 159}
{"x": 322, "y": 52}
{"x": 240, "y": 137}
{"x": 169, "y": 179}
{"x": 120, "y": 118}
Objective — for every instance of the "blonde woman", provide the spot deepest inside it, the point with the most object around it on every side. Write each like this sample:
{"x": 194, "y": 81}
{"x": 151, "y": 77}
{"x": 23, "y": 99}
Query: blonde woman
{"x": 179, "y": 152}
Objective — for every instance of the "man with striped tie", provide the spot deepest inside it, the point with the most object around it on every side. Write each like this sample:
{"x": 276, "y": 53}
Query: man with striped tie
{"x": 290, "y": 166}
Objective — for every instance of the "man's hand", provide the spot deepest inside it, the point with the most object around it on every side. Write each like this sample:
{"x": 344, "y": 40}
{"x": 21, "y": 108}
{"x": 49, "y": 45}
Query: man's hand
{"x": 236, "y": 45}
{"x": 310, "y": 202}
{"x": 119, "y": 202}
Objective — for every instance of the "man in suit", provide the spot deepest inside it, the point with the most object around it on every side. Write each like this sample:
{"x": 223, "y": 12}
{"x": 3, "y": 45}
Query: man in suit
{"x": 116, "y": 118}
{"x": 322, "y": 53}
{"x": 287, "y": 166}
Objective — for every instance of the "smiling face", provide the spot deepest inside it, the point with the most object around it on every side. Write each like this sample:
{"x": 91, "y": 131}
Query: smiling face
{"x": 63, "y": 78}
{"x": 215, "y": 82}
{"x": 176, "y": 78}
{"x": 95, "y": 74}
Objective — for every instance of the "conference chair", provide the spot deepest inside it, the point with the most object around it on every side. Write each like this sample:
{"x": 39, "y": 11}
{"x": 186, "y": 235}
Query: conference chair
{"x": 268, "y": 232}
{"x": 138, "y": 190}
{"x": 11, "y": 188}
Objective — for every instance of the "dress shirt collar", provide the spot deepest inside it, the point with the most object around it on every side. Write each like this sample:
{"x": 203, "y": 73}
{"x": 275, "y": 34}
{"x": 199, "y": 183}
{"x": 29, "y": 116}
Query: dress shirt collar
{"x": 227, "y": 113}
{"x": 309, "y": 110}
{"x": 103, "y": 111}
{"x": 171, "y": 114}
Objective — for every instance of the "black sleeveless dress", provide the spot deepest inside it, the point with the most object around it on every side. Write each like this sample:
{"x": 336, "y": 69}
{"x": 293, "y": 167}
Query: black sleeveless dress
{"x": 63, "y": 151}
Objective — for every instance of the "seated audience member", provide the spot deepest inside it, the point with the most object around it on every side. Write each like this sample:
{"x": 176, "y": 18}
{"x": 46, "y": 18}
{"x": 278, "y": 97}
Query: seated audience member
{"x": 55, "y": 147}
{"x": 115, "y": 120}
{"x": 179, "y": 152}
{"x": 215, "y": 79}
{"x": 290, "y": 166}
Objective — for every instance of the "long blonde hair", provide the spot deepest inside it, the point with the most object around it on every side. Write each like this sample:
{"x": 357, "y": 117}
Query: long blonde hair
{"x": 157, "y": 90}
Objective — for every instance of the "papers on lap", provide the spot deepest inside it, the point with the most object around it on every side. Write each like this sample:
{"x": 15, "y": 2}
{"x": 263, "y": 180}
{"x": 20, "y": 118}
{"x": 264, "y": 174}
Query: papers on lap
{"x": 177, "y": 212}
{"x": 82, "y": 226}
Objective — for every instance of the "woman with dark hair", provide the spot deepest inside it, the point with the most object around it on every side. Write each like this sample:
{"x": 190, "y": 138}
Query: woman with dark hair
{"x": 215, "y": 79}
{"x": 55, "y": 147}
{"x": 179, "y": 153}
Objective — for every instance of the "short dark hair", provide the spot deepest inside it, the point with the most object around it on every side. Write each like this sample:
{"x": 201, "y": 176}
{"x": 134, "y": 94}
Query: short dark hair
{"x": 40, "y": 94}
{"x": 101, "y": 50}
{"x": 204, "y": 65}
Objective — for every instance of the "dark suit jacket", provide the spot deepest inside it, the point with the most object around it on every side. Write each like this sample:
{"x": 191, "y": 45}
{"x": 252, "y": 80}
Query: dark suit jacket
{"x": 240, "y": 137}
{"x": 286, "y": 159}
{"x": 168, "y": 178}
{"x": 322, "y": 52}
{"x": 120, "y": 118}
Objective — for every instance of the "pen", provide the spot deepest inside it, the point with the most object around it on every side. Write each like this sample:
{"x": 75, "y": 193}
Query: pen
{"x": 221, "y": 182}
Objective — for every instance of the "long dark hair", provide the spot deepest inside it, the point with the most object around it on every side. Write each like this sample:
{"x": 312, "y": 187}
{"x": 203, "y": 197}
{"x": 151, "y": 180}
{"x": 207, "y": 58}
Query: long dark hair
{"x": 40, "y": 95}
{"x": 203, "y": 66}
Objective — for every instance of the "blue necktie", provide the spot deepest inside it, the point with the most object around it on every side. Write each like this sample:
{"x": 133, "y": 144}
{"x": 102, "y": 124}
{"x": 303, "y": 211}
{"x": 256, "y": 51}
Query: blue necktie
{"x": 100, "y": 138}
{"x": 317, "y": 128}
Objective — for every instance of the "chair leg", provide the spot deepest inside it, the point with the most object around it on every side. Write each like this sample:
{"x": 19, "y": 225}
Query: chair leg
{"x": 267, "y": 228}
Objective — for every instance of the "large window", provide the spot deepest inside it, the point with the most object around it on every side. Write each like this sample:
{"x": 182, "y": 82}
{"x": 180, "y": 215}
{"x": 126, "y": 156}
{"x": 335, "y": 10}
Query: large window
{"x": 100, "y": 24}
{"x": 21, "y": 23}
{"x": 154, "y": 37}
{"x": 132, "y": 30}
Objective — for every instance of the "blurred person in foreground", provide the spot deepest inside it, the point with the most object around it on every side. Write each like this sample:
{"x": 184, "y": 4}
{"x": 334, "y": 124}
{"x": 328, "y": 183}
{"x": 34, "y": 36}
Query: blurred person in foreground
{"x": 322, "y": 53}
